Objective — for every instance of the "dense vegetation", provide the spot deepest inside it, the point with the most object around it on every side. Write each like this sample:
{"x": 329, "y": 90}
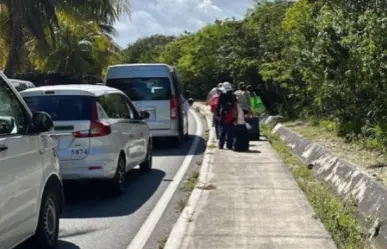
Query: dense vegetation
{"x": 58, "y": 35}
{"x": 325, "y": 59}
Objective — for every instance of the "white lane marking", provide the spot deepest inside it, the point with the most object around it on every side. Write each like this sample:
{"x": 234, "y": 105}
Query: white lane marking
{"x": 150, "y": 223}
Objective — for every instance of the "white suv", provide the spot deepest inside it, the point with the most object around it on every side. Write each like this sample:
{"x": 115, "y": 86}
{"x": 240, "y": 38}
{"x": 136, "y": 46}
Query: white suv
{"x": 31, "y": 196}
{"x": 98, "y": 131}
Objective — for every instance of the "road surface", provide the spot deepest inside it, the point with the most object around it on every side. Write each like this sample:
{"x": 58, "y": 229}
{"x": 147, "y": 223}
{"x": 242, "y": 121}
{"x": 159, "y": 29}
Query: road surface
{"x": 93, "y": 220}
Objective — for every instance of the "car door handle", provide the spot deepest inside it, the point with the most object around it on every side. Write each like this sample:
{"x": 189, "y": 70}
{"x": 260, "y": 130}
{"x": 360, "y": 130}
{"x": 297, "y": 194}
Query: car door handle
{"x": 3, "y": 148}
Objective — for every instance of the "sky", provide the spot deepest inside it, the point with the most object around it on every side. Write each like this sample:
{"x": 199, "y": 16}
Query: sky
{"x": 172, "y": 17}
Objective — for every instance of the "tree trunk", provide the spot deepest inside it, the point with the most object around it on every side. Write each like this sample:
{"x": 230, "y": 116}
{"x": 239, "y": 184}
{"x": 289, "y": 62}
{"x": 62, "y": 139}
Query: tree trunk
{"x": 16, "y": 38}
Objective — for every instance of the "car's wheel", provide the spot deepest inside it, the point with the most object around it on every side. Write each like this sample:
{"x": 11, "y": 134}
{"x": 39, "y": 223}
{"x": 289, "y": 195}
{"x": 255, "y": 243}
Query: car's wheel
{"x": 146, "y": 166}
{"x": 118, "y": 183}
{"x": 46, "y": 235}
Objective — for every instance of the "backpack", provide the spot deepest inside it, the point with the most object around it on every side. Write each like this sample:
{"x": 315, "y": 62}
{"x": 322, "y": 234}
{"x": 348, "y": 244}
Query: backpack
{"x": 213, "y": 102}
{"x": 230, "y": 114}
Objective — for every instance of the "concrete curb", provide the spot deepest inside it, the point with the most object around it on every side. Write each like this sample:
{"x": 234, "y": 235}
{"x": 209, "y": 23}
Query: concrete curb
{"x": 346, "y": 178}
{"x": 175, "y": 239}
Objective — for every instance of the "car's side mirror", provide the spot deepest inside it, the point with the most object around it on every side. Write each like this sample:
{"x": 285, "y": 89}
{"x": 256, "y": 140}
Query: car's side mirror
{"x": 7, "y": 124}
{"x": 41, "y": 122}
{"x": 144, "y": 115}
{"x": 190, "y": 101}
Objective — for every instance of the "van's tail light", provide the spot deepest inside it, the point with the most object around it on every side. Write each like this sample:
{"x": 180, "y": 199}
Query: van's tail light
{"x": 173, "y": 107}
{"x": 97, "y": 128}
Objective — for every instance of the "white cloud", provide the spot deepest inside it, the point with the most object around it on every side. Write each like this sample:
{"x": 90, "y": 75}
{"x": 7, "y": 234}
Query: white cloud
{"x": 171, "y": 17}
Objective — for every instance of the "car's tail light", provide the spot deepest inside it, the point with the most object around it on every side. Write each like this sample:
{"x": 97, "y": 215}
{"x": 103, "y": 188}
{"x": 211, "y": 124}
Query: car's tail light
{"x": 97, "y": 128}
{"x": 173, "y": 107}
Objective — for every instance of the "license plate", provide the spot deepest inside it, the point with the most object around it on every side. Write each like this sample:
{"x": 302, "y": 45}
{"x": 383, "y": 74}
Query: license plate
{"x": 79, "y": 152}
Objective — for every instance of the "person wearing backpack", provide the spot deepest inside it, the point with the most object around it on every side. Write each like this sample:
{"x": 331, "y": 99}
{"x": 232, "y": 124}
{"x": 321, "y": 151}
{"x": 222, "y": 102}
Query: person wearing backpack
{"x": 226, "y": 114}
{"x": 213, "y": 102}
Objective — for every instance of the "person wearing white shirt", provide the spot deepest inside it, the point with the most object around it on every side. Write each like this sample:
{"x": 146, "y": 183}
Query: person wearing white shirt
{"x": 214, "y": 91}
{"x": 241, "y": 135}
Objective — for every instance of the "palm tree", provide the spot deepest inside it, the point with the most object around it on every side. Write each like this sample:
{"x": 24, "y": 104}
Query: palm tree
{"x": 80, "y": 48}
{"x": 38, "y": 19}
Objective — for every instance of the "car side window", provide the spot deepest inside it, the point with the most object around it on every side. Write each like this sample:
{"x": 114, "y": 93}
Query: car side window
{"x": 106, "y": 101}
{"x": 13, "y": 118}
{"x": 125, "y": 100}
{"x": 132, "y": 109}
{"x": 113, "y": 106}
{"x": 122, "y": 110}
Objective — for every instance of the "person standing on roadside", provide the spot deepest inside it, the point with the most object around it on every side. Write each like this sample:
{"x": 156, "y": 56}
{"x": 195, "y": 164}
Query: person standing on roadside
{"x": 226, "y": 113}
{"x": 256, "y": 109}
{"x": 243, "y": 97}
{"x": 214, "y": 91}
{"x": 212, "y": 102}
{"x": 249, "y": 88}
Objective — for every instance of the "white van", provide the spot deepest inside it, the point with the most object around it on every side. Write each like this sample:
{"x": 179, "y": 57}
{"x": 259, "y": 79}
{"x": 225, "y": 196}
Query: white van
{"x": 154, "y": 88}
{"x": 21, "y": 85}
{"x": 31, "y": 193}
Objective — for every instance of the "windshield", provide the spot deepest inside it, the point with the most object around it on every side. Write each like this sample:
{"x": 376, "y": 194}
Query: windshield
{"x": 62, "y": 107}
{"x": 143, "y": 88}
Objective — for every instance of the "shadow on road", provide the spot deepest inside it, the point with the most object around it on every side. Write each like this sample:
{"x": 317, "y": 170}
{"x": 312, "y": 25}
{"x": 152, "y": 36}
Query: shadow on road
{"x": 93, "y": 201}
{"x": 67, "y": 245}
{"x": 162, "y": 147}
{"x": 61, "y": 244}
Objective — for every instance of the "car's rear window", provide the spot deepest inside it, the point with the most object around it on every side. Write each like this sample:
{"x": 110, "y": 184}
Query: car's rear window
{"x": 143, "y": 88}
{"x": 62, "y": 107}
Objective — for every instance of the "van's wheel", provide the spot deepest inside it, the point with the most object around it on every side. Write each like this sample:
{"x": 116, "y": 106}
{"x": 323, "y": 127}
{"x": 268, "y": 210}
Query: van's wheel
{"x": 146, "y": 166}
{"x": 46, "y": 235}
{"x": 118, "y": 183}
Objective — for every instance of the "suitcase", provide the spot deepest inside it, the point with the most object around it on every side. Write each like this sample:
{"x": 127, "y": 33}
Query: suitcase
{"x": 254, "y": 132}
{"x": 241, "y": 138}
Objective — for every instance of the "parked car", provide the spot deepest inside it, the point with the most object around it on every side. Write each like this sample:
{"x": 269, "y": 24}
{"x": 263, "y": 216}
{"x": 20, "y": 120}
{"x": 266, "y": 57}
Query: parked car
{"x": 21, "y": 85}
{"x": 31, "y": 193}
{"x": 154, "y": 88}
{"x": 98, "y": 131}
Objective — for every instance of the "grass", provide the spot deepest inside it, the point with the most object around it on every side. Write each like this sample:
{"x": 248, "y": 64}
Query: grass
{"x": 190, "y": 183}
{"x": 357, "y": 151}
{"x": 338, "y": 216}
{"x": 181, "y": 204}
{"x": 162, "y": 241}
{"x": 212, "y": 146}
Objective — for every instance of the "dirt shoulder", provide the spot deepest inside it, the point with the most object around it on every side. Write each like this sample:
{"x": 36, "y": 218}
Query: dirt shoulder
{"x": 371, "y": 161}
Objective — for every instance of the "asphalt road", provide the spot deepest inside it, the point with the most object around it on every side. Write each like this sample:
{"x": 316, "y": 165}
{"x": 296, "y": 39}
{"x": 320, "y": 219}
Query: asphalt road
{"x": 93, "y": 220}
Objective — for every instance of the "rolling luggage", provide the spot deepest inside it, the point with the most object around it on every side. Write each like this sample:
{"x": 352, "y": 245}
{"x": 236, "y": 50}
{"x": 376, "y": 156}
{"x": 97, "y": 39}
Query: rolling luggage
{"x": 241, "y": 138}
{"x": 254, "y": 132}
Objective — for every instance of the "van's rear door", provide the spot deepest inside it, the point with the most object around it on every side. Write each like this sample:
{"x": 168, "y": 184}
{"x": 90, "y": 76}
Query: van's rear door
{"x": 151, "y": 94}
